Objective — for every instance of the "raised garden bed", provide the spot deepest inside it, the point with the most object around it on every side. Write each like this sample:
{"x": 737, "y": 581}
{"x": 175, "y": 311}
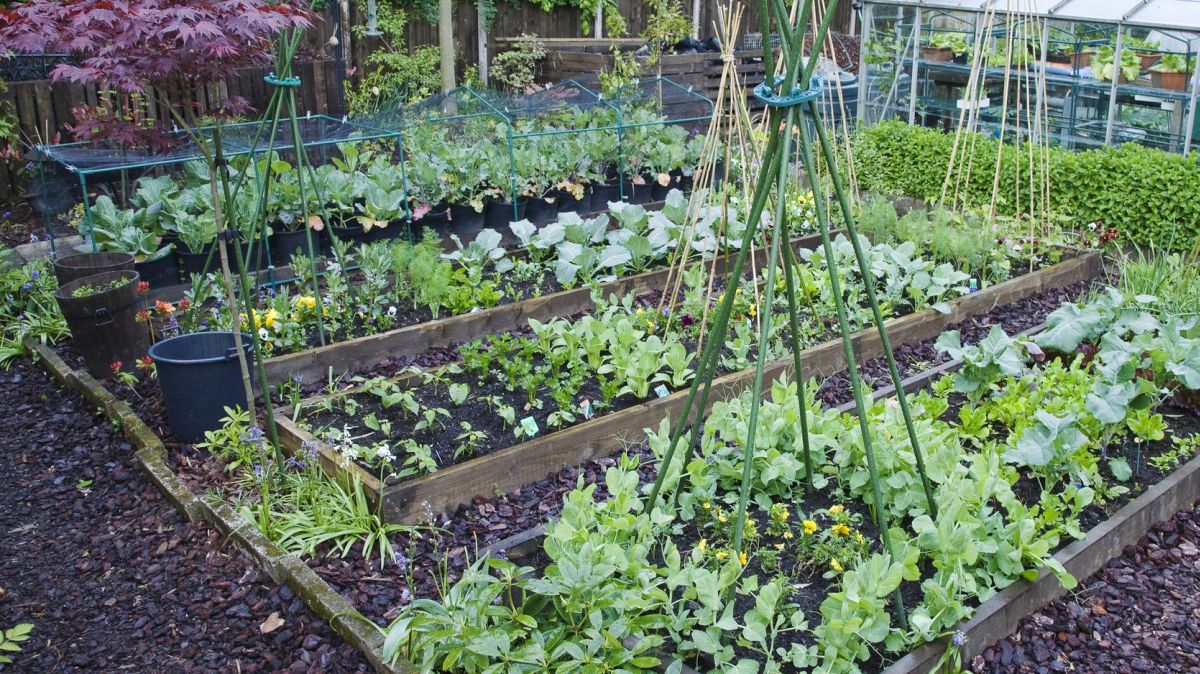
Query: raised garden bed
{"x": 352, "y": 355}
{"x": 515, "y": 466}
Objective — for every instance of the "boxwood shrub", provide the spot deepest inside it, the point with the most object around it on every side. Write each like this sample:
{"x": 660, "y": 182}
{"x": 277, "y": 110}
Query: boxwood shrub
{"x": 1151, "y": 196}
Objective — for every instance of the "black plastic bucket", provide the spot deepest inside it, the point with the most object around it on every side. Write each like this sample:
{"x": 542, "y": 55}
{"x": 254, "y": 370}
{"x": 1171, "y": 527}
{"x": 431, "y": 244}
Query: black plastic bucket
{"x": 437, "y": 218}
{"x": 159, "y": 273}
{"x": 104, "y": 325}
{"x": 72, "y": 267}
{"x": 637, "y": 194}
{"x": 199, "y": 376}
{"x": 395, "y": 229}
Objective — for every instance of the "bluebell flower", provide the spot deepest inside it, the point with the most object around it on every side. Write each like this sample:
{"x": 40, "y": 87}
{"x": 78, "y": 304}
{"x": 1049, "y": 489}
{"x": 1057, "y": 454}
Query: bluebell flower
{"x": 36, "y": 273}
{"x": 258, "y": 471}
{"x": 959, "y": 639}
{"x": 253, "y": 435}
{"x": 309, "y": 448}
{"x": 26, "y": 287}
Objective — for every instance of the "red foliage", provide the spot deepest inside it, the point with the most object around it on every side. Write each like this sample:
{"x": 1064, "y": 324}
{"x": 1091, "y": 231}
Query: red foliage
{"x": 136, "y": 46}
{"x": 130, "y": 44}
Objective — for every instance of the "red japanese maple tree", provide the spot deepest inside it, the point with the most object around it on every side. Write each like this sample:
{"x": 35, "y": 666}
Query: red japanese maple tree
{"x": 155, "y": 48}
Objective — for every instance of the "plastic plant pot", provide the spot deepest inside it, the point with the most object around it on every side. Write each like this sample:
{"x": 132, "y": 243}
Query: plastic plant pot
{"x": 104, "y": 324}
{"x": 200, "y": 376}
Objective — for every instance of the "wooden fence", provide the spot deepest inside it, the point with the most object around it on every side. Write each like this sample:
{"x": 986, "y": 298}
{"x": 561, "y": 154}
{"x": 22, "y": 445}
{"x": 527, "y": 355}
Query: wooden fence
{"x": 43, "y": 109}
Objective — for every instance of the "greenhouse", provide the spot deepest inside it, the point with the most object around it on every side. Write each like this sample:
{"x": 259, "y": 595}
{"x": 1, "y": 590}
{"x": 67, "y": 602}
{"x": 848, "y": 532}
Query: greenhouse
{"x": 1047, "y": 67}
{"x": 600, "y": 337}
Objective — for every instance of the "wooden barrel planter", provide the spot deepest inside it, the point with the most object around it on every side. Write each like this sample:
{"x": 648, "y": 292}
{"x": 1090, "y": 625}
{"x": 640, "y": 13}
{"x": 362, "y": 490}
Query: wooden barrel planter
{"x": 101, "y": 311}
{"x": 69, "y": 268}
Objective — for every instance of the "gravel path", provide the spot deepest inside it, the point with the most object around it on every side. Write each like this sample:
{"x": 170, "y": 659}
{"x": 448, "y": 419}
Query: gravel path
{"x": 111, "y": 576}
{"x": 1139, "y": 614}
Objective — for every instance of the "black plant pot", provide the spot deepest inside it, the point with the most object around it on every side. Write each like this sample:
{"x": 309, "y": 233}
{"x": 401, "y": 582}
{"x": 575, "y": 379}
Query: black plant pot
{"x": 497, "y": 214}
{"x": 684, "y": 181}
{"x": 286, "y": 245}
{"x": 160, "y": 272}
{"x": 637, "y": 194}
{"x": 464, "y": 220}
{"x": 68, "y": 268}
{"x": 394, "y": 230}
{"x": 658, "y": 191}
{"x": 199, "y": 376}
{"x": 539, "y": 211}
{"x": 193, "y": 262}
{"x": 567, "y": 203}
{"x": 436, "y": 218}
{"x": 353, "y": 234}
{"x": 602, "y": 194}
{"x": 104, "y": 325}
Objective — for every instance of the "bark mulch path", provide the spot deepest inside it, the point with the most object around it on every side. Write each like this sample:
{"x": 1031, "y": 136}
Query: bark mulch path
{"x": 111, "y": 576}
{"x": 1138, "y": 614}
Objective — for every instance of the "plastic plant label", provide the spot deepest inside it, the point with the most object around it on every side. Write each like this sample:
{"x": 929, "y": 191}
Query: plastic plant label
{"x": 585, "y": 408}
{"x": 973, "y": 285}
{"x": 662, "y": 391}
{"x": 529, "y": 425}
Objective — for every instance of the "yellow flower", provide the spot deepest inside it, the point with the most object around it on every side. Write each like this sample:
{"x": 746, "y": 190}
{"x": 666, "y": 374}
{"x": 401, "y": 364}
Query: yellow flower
{"x": 640, "y": 311}
{"x": 837, "y": 509}
{"x": 702, "y": 545}
{"x": 706, "y": 505}
{"x": 305, "y": 302}
{"x": 271, "y": 318}
{"x": 859, "y": 536}
{"x": 722, "y": 518}
{"x": 840, "y": 530}
{"x": 810, "y": 527}
{"x": 787, "y": 535}
{"x": 779, "y": 547}
{"x": 753, "y": 309}
{"x": 722, "y": 555}
{"x": 743, "y": 558}
{"x": 835, "y": 565}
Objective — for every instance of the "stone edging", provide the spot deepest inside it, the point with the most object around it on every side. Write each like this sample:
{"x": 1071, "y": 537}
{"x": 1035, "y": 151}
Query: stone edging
{"x": 283, "y": 567}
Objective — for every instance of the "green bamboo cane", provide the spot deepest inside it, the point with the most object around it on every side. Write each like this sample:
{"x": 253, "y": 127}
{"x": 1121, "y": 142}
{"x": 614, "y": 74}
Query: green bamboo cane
{"x": 764, "y": 340}
{"x": 848, "y": 347}
{"x": 877, "y": 315}
{"x": 789, "y": 262}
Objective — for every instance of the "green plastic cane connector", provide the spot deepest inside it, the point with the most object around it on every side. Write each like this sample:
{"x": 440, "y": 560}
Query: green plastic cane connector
{"x": 797, "y": 96}
{"x": 282, "y": 82}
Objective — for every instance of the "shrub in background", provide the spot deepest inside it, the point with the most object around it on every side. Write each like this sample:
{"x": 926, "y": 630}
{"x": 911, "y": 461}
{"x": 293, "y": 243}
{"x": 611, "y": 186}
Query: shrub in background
{"x": 1152, "y": 196}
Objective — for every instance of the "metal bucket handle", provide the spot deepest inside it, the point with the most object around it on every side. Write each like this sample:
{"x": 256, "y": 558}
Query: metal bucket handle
{"x": 103, "y": 316}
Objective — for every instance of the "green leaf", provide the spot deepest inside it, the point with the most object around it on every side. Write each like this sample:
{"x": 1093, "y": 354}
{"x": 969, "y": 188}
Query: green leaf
{"x": 1120, "y": 469}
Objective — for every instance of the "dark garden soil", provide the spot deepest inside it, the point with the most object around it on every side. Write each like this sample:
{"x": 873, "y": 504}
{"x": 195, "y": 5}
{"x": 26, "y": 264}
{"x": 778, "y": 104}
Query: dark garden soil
{"x": 111, "y": 576}
{"x": 1138, "y": 614}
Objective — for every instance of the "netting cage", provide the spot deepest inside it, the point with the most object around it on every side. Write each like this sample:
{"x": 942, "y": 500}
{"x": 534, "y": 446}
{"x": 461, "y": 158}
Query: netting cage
{"x": 1075, "y": 73}
{"x": 478, "y": 158}
{"x": 155, "y": 199}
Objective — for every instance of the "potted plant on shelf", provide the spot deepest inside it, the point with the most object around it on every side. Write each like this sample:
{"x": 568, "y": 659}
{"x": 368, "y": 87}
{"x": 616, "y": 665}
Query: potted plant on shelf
{"x": 1173, "y": 72}
{"x": 1103, "y": 68}
{"x": 1147, "y": 51}
{"x": 125, "y": 231}
{"x": 945, "y": 47}
{"x": 101, "y": 312}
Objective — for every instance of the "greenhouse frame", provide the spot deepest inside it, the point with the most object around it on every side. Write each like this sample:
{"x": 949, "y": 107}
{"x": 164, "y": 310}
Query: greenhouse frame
{"x": 1065, "y": 72}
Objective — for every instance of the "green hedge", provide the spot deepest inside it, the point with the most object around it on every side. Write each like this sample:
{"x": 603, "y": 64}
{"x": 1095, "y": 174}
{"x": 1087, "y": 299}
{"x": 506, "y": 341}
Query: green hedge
{"x": 1151, "y": 196}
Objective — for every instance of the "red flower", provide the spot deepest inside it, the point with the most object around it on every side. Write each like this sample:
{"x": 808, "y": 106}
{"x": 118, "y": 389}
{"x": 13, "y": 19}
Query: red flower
{"x": 184, "y": 304}
{"x": 143, "y": 316}
{"x": 143, "y": 286}
{"x": 116, "y": 366}
{"x": 164, "y": 307}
